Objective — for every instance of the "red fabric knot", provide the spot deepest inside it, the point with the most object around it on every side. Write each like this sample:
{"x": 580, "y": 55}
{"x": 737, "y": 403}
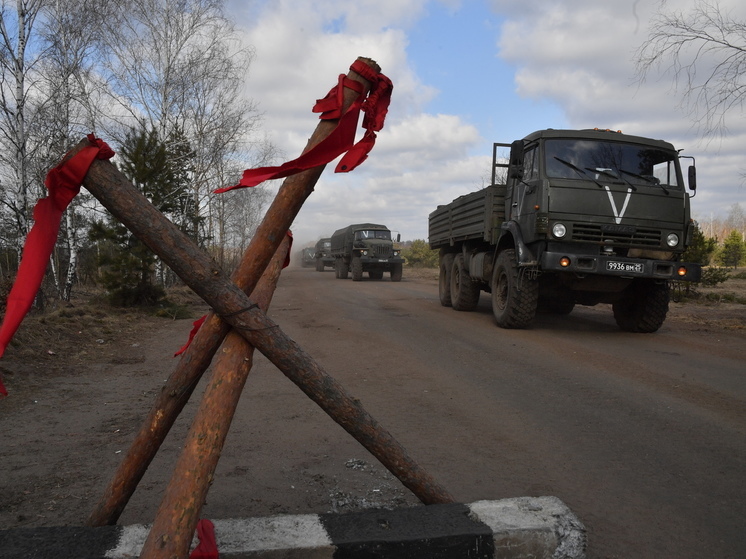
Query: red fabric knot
{"x": 207, "y": 547}
{"x": 63, "y": 183}
{"x": 341, "y": 140}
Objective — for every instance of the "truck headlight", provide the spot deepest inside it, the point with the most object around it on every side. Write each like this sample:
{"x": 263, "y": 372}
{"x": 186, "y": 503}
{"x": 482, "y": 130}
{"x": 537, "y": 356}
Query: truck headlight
{"x": 559, "y": 230}
{"x": 364, "y": 253}
{"x": 672, "y": 240}
{"x": 396, "y": 253}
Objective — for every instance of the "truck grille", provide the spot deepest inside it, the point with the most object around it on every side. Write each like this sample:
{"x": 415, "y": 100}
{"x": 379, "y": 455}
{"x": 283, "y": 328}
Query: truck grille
{"x": 588, "y": 232}
{"x": 381, "y": 251}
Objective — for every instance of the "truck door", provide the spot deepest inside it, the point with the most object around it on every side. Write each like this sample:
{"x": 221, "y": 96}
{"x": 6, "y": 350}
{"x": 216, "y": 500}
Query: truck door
{"x": 526, "y": 194}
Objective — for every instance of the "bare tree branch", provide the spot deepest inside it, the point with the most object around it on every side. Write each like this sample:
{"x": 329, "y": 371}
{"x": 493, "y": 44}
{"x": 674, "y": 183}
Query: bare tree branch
{"x": 705, "y": 51}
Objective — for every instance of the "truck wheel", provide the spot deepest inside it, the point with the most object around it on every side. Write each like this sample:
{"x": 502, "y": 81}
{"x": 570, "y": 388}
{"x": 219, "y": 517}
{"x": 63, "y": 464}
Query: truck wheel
{"x": 341, "y": 268}
{"x": 357, "y": 268}
{"x": 464, "y": 292}
{"x": 514, "y": 298}
{"x": 396, "y": 272}
{"x": 444, "y": 279}
{"x": 642, "y": 307}
{"x": 375, "y": 274}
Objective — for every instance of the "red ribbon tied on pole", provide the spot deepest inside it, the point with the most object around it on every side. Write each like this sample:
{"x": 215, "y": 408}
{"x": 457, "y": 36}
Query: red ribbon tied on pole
{"x": 341, "y": 140}
{"x": 207, "y": 547}
{"x": 63, "y": 183}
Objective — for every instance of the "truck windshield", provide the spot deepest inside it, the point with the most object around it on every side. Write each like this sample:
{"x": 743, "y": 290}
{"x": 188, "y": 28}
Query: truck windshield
{"x": 581, "y": 159}
{"x": 372, "y": 234}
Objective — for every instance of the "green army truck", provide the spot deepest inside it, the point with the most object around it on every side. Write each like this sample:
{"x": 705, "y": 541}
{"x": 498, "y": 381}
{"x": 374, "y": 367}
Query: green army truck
{"x": 307, "y": 258}
{"x": 323, "y": 254}
{"x": 571, "y": 217}
{"x": 366, "y": 247}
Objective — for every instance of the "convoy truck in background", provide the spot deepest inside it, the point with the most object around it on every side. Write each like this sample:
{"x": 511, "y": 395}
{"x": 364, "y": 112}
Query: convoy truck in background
{"x": 307, "y": 258}
{"x": 366, "y": 247}
{"x": 571, "y": 217}
{"x": 323, "y": 254}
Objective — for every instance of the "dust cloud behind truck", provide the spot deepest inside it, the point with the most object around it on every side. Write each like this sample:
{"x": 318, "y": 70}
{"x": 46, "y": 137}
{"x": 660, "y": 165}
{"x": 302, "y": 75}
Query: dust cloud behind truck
{"x": 571, "y": 217}
{"x": 366, "y": 247}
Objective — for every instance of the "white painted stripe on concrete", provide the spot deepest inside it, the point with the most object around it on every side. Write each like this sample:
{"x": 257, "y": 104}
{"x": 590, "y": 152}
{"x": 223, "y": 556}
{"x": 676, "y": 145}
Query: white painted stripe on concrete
{"x": 131, "y": 540}
{"x": 532, "y": 523}
{"x": 272, "y": 533}
{"x": 244, "y": 535}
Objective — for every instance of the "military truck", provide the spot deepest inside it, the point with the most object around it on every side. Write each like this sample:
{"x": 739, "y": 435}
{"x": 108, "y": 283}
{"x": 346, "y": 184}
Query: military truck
{"x": 323, "y": 254}
{"x": 366, "y": 247}
{"x": 571, "y": 217}
{"x": 307, "y": 257}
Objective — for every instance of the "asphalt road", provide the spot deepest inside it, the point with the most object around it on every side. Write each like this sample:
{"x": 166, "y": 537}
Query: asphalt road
{"x": 643, "y": 436}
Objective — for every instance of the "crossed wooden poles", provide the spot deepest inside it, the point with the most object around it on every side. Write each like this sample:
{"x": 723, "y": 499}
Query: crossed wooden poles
{"x": 238, "y": 322}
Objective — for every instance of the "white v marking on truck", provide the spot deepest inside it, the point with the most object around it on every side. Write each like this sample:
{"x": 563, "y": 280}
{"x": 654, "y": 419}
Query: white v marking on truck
{"x": 618, "y": 215}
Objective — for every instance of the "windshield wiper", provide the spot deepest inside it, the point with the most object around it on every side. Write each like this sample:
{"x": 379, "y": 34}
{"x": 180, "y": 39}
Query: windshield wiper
{"x": 613, "y": 176}
{"x": 648, "y": 180}
{"x": 579, "y": 171}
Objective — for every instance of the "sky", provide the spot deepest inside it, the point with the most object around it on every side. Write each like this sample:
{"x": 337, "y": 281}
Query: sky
{"x": 467, "y": 74}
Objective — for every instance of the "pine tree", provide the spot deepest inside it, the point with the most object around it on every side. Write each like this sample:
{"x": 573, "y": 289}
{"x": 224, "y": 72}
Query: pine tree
{"x": 701, "y": 249}
{"x": 129, "y": 267}
{"x": 734, "y": 250}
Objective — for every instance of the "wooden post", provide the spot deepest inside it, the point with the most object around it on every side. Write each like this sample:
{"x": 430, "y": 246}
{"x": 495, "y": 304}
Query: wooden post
{"x": 171, "y": 534}
{"x": 175, "y": 394}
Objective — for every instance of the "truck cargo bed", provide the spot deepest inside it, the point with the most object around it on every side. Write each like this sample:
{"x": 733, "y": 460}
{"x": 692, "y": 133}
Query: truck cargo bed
{"x": 473, "y": 216}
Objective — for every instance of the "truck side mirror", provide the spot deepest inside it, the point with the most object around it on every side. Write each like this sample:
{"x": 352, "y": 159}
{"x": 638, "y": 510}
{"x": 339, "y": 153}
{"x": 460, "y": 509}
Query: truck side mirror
{"x": 692, "y": 177}
{"x": 398, "y": 237}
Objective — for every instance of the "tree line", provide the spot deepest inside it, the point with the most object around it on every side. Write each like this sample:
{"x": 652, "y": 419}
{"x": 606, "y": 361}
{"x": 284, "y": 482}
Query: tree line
{"x": 162, "y": 82}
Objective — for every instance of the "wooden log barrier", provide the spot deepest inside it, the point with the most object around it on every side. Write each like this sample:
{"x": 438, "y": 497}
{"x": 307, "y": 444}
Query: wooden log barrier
{"x": 178, "y": 388}
{"x": 234, "y": 306}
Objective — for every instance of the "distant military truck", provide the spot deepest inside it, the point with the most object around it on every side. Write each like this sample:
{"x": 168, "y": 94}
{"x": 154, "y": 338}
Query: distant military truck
{"x": 366, "y": 247}
{"x": 308, "y": 257}
{"x": 323, "y": 254}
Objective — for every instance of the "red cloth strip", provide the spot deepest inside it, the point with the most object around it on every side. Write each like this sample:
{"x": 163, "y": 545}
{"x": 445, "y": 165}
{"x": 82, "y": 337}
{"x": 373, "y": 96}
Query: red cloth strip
{"x": 63, "y": 183}
{"x": 207, "y": 547}
{"x": 341, "y": 140}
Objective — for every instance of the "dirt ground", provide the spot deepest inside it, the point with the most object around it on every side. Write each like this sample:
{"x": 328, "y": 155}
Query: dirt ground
{"x": 82, "y": 376}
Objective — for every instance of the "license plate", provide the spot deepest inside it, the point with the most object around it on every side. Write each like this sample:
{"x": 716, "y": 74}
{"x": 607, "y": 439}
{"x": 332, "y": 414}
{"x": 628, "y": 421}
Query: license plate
{"x": 383, "y": 259}
{"x": 628, "y": 267}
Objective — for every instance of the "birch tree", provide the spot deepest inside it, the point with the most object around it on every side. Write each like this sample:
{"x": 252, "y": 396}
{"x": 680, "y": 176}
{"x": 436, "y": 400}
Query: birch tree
{"x": 176, "y": 66}
{"x": 17, "y": 61}
{"x": 67, "y": 113}
{"x": 705, "y": 50}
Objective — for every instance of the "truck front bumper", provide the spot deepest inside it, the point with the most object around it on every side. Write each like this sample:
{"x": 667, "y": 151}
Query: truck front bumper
{"x": 609, "y": 265}
{"x": 375, "y": 261}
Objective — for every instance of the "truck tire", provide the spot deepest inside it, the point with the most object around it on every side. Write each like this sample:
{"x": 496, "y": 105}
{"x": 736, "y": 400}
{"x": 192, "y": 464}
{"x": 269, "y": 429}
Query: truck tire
{"x": 357, "y": 268}
{"x": 396, "y": 272}
{"x": 642, "y": 307}
{"x": 444, "y": 279}
{"x": 464, "y": 292}
{"x": 340, "y": 268}
{"x": 514, "y": 298}
{"x": 375, "y": 274}
{"x": 319, "y": 265}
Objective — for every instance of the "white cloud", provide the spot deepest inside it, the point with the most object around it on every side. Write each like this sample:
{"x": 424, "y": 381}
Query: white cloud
{"x": 577, "y": 55}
